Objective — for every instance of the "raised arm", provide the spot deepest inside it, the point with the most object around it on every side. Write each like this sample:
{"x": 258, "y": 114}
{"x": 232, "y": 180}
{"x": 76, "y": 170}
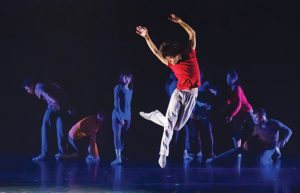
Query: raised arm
{"x": 142, "y": 31}
{"x": 187, "y": 28}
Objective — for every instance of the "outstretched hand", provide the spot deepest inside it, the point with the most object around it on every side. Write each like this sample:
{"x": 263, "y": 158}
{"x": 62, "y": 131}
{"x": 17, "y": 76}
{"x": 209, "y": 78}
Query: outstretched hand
{"x": 142, "y": 31}
{"x": 174, "y": 18}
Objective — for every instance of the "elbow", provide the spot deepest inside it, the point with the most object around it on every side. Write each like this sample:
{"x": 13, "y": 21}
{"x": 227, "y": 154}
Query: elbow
{"x": 192, "y": 35}
{"x": 238, "y": 108}
{"x": 193, "y": 32}
{"x": 71, "y": 133}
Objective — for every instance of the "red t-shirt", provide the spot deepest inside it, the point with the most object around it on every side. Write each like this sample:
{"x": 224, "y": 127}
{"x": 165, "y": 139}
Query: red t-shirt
{"x": 187, "y": 72}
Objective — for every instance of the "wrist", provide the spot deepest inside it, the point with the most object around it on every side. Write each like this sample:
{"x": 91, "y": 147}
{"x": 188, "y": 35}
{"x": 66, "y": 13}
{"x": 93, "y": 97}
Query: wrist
{"x": 283, "y": 142}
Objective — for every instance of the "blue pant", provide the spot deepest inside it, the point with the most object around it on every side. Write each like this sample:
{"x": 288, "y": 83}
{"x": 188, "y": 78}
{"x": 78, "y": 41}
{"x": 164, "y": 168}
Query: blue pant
{"x": 50, "y": 118}
{"x": 120, "y": 133}
{"x": 265, "y": 157}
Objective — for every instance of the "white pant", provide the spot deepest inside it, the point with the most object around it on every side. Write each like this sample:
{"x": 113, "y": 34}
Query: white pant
{"x": 179, "y": 111}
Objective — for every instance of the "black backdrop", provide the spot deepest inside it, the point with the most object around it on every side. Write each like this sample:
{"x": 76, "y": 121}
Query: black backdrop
{"x": 83, "y": 45}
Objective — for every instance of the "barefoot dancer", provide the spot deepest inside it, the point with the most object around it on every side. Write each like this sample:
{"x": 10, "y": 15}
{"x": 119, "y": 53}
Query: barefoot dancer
{"x": 121, "y": 115}
{"x": 184, "y": 64}
{"x": 55, "y": 115}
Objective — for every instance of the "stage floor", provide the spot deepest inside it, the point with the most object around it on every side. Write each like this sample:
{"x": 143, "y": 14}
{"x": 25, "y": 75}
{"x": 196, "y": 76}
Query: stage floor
{"x": 20, "y": 174}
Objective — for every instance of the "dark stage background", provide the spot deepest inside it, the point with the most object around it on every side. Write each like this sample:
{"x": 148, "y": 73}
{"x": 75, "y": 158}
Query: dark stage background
{"x": 83, "y": 45}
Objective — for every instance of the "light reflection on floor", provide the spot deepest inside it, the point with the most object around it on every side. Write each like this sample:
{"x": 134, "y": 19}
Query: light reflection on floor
{"x": 22, "y": 175}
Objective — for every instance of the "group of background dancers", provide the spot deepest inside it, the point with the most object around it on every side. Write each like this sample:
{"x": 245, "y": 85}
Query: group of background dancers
{"x": 190, "y": 107}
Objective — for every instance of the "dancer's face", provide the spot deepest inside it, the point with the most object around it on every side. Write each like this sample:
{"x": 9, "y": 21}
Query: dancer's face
{"x": 259, "y": 118}
{"x": 173, "y": 59}
{"x": 230, "y": 80}
{"x": 126, "y": 79}
{"x": 29, "y": 89}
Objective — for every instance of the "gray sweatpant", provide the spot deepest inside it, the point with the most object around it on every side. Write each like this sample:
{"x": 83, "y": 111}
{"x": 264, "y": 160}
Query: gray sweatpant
{"x": 179, "y": 111}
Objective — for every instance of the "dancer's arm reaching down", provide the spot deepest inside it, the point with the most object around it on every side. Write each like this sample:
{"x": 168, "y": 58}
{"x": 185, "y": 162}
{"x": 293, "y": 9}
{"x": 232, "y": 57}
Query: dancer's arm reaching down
{"x": 93, "y": 145}
{"x": 287, "y": 132}
{"x": 187, "y": 28}
{"x": 142, "y": 31}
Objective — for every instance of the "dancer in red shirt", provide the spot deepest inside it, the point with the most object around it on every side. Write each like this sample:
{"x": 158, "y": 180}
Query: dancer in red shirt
{"x": 183, "y": 62}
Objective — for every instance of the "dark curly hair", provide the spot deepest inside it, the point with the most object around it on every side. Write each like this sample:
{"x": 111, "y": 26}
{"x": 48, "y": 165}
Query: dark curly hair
{"x": 173, "y": 49}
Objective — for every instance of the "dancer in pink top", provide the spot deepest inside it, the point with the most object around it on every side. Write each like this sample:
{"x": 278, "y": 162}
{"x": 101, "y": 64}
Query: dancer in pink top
{"x": 240, "y": 110}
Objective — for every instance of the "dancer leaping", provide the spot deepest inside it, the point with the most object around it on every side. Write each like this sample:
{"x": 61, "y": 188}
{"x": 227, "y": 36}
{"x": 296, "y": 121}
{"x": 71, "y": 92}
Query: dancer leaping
{"x": 183, "y": 62}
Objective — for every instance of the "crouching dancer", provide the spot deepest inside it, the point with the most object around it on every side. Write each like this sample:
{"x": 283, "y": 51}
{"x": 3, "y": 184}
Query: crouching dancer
{"x": 85, "y": 132}
{"x": 264, "y": 144}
